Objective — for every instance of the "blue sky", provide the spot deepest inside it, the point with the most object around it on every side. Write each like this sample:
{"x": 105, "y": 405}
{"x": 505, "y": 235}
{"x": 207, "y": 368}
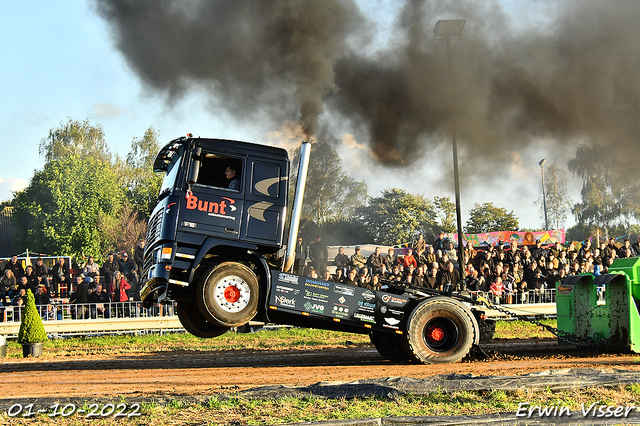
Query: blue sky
{"x": 59, "y": 62}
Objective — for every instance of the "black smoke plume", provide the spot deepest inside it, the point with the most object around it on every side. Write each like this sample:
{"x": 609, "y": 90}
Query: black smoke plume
{"x": 566, "y": 77}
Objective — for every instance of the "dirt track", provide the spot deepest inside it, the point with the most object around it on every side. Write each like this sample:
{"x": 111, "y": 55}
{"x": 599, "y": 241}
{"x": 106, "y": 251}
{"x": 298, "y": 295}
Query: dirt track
{"x": 201, "y": 373}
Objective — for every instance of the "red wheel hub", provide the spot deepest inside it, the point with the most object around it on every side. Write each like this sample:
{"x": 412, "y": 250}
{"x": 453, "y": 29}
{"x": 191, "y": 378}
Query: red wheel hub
{"x": 232, "y": 294}
{"x": 435, "y": 334}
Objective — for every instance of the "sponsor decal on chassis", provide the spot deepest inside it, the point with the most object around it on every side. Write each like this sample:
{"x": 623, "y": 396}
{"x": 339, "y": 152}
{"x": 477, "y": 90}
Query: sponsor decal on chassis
{"x": 344, "y": 289}
{"x": 394, "y": 300}
{"x": 314, "y": 307}
{"x": 288, "y": 278}
{"x": 365, "y": 318}
{"x": 366, "y": 306}
{"x": 287, "y": 290}
{"x": 318, "y": 297}
{"x": 287, "y": 302}
{"x": 384, "y": 309}
{"x": 368, "y": 295}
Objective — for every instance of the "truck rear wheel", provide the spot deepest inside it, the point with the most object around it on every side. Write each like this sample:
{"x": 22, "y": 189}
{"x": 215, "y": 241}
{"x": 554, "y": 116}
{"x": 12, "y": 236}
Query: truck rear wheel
{"x": 228, "y": 294}
{"x": 388, "y": 345}
{"x": 193, "y": 321}
{"x": 439, "y": 332}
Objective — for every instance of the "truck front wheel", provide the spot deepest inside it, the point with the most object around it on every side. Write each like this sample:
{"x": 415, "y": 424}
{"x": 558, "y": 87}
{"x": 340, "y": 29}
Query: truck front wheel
{"x": 193, "y": 321}
{"x": 439, "y": 332}
{"x": 228, "y": 294}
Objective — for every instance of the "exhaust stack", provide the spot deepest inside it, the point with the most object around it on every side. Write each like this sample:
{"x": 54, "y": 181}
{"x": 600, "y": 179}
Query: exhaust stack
{"x": 305, "y": 150}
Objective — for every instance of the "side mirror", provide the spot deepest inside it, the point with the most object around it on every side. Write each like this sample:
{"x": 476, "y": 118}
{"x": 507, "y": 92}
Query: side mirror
{"x": 194, "y": 169}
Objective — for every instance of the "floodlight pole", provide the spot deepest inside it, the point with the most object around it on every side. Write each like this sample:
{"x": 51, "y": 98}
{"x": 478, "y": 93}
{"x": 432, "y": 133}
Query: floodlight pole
{"x": 449, "y": 29}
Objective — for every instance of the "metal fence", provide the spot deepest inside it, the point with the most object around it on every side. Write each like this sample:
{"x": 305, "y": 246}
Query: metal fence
{"x": 64, "y": 319}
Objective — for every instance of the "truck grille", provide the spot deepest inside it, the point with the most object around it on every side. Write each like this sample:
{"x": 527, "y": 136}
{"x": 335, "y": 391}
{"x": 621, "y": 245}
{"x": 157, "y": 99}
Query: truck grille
{"x": 154, "y": 229}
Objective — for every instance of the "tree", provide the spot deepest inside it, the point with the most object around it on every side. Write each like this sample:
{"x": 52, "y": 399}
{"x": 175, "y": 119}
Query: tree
{"x": 446, "y": 213}
{"x": 559, "y": 203}
{"x": 123, "y": 232}
{"x": 142, "y": 183}
{"x": 330, "y": 193}
{"x": 397, "y": 216}
{"x": 58, "y": 212}
{"x": 605, "y": 200}
{"x": 75, "y": 138}
{"x": 486, "y": 217}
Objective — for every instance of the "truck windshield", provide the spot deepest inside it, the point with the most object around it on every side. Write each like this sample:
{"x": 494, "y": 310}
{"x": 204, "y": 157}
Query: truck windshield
{"x": 168, "y": 161}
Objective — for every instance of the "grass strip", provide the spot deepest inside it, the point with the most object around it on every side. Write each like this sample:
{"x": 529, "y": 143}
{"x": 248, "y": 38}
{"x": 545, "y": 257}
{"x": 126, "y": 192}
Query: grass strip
{"x": 250, "y": 411}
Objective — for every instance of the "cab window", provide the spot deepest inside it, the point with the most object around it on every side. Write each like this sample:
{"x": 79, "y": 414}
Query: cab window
{"x": 220, "y": 171}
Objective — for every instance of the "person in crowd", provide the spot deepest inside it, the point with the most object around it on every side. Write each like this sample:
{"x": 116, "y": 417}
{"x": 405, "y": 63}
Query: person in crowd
{"x": 26, "y": 284}
{"x": 375, "y": 261}
{"x": 471, "y": 280}
{"x": 80, "y": 297}
{"x": 375, "y": 283}
{"x": 409, "y": 259}
{"x": 586, "y": 248}
{"x": 451, "y": 253}
{"x": 431, "y": 280}
{"x": 418, "y": 277}
{"x": 130, "y": 271}
{"x": 110, "y": 267}
{"x": 556, "y": 250}
{"x": 363, "y": 279}
{"x": 318, "y": 254}
{"x": 431, "y": 255}
{"x": 313, "y": 273}
{"x": 138, "y": 257}
{"x": 18, "y": 302}
{"x": 342, "y": 261}
{"x": 384, "y": 273}
{"x": 513, "y": 251}
{"x": 339, "y": 276}
{"x": 91, "y": 268}
{"x": 364, "y": 275}
{"x": 327, "y": 276}
{"x": 42, "y": 274}
{"x": 44, "y": 306}
{"x": 496, "y": 289}
{"x": 16, "y": 266}
{"x": 610, "y": 248}
{"x": 408, "y": 280}
{"x": 300, "y": 257}
{"x": 358, "y": 260}
{"x": 626, "y": 251}
{"x": 419, "y": 243}
{"x": 61, "y": 277}
{"x": 118, "y": 292}
{"x": 20, "y": 298}
{"x": 450, "y": 277}
{"x": 420, "y": 257}
{"x": 8, "y": 284}
{"x": 439, "y": 242}
{"x": 443, "y": 265}
{"x": 352, "y": 277}
{"x": 535, "y": 282}
{"x": 99, "y": 300}
{"x": 390, "y": 259}
{"x": 395, "y": 274}
{"x": 31, "y": 276}
{"x": 537, "y": 252}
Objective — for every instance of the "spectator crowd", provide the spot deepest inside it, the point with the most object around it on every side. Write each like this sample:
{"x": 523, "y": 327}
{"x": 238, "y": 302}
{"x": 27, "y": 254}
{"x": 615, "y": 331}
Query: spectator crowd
{"x": 95, "y": 289}
{"x": 507, "y": 272}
